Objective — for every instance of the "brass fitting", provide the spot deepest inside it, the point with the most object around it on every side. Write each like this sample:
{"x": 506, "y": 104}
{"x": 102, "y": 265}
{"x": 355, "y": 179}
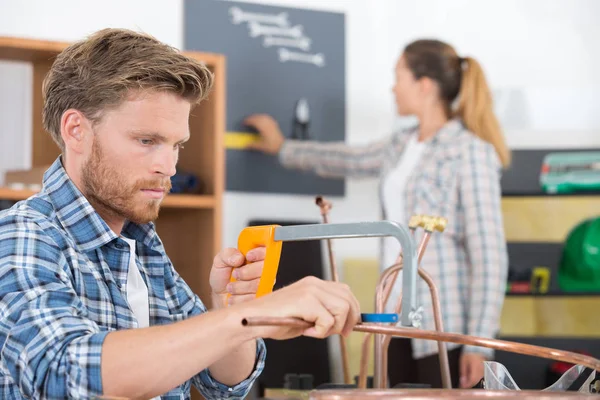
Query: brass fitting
{"x": 415, "y": 221}
{"x": 434, "y": 223}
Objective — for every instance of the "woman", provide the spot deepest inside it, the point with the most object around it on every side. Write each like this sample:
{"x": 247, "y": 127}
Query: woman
{"x": 448, "y": 165}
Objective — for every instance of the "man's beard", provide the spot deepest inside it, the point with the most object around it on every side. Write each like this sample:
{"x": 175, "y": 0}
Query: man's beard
{"x": 106, "y": 187}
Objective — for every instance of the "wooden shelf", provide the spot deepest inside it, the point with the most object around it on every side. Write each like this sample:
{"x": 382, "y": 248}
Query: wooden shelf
{"x": 550, "y": 316}
{"x": 171, "y": 201}
{"x": 29, "y": 50}
{"x": 554, "y": 294}
{"x": 15, "y": 195}
{"x": 546, "y": 219}
{"x": 190, "y": 226}
{"x": 188, "y": 201}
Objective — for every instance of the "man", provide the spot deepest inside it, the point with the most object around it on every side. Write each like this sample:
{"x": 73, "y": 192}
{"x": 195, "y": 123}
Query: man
{"x": 90, "y": 304}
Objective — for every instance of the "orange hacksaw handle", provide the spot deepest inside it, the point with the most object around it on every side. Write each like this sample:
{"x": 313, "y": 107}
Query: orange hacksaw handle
{"x": 262, "y": 236}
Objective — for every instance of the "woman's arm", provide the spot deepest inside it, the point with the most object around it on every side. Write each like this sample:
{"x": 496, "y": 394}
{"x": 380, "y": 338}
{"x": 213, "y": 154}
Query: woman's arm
{"x": 334, "y": 159}
{"x": 326, "y": 159}
{"x": 485, "y": 242}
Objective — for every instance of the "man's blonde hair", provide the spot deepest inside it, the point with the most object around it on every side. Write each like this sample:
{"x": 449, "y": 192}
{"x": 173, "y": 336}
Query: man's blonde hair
{"x": 98, "y": 73}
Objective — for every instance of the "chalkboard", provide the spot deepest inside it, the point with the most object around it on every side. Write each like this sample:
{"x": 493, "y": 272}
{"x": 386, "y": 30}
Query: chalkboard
{"x": 277, "y": 57}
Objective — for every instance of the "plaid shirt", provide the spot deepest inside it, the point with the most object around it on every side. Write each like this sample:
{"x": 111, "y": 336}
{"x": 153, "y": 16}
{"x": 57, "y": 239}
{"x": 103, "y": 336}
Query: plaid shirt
{"x": 63, "y": 289}
{"x": 458, "y": 177}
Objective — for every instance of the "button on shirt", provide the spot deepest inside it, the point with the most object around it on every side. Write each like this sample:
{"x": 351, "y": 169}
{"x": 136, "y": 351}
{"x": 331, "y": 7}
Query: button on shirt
{"x": 63, "y": 288}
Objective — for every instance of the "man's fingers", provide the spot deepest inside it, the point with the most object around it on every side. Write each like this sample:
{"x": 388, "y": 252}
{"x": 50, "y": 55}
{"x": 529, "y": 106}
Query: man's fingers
{"x": 228, "y": 258}
{"x": 256, "y": 254}
{"x": 339, "y": 309}
{"x": 243, "y": 287}
{"x": 323, "y": 324}
{"x": 352, "y": 312}
{"x": 249, "y": 272}
{"x": 337, "y": 300}
{"x": 236, "y": 299}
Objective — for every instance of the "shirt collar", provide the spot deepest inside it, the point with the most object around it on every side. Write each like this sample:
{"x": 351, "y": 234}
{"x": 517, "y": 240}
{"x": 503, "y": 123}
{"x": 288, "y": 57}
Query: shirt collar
{"x": 449, "y": 131}
{"x": 80, "y": 219}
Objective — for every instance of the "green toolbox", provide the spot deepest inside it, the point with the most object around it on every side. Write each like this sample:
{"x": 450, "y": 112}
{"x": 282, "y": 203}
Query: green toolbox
{"x": 570, "y": 172}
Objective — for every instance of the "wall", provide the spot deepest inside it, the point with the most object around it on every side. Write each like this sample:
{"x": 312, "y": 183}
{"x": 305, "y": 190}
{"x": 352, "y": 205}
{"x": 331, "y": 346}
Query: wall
{"x": 523, "y": 52}
{"x": 544, "y": 80}
{"x": 369, "y": 116}
{"x": 63, "y": 20}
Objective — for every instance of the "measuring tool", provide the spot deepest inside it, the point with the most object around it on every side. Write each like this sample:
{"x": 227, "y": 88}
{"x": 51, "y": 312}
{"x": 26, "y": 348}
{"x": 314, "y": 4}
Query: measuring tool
{"x": 240, "y": 140}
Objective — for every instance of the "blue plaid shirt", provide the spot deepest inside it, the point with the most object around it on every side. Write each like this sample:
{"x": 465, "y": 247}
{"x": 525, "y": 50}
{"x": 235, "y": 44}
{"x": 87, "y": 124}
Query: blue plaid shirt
{"x": 63, "y": 276}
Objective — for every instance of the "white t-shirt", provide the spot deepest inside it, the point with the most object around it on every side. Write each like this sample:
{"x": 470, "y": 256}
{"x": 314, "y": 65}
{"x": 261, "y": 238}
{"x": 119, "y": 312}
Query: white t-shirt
{"x": 393, "y": 196}
{"x": 137, "y": 291}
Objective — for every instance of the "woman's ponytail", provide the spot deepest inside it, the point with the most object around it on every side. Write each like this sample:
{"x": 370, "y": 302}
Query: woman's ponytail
{"x": 475, "y": 108}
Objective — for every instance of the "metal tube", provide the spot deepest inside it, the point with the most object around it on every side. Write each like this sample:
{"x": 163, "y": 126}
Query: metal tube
{"x": 452, "y": 394}
{"x": 439, "y": 327}
{"x": 386, "y": 289}
{"x": 429, "y": 223}
{"x": 364, "y": 362}
{"x": 396, "y": 331}
{"x": 325, "y": 206}
{"x": 383, "y": 291}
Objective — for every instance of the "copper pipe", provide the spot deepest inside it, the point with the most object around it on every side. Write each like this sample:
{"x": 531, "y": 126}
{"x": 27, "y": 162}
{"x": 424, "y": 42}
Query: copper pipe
{"x": 325, "y": 206}
{"x": 439, "y": 327}
{"x": 380, "y": 292}
{"x": 292, "y": 322}
{"x": 364, "y": 362}
{"x": 390, "y": 273}
{"x": 381, "y": 296}
{"x": 415, "y": 221}
{"x": 467, "y": 340}
{"x": 452, "y": 394}
{"x": 387, "y": 288}
{"x": 429, "y": 224}
{"x": 380, "y": 373}
{"x": 383, "y": 291}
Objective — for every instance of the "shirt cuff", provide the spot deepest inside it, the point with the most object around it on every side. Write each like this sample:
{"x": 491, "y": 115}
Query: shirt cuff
{"x": 211, "y": 387}
{"x": 284, "y": 151}
{"x": 84, "y": 365}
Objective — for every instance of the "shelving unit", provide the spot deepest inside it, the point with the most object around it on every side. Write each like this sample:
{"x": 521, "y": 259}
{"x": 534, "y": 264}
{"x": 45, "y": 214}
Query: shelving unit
{"x": 536, "y": 226}
{"x": 189, "y": 225}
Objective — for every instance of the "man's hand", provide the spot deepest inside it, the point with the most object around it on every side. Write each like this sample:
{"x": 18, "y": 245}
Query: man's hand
{"x": 331, "y": 306}
{"x": 471, "y": 369}
{"x": 246, "y": 271}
